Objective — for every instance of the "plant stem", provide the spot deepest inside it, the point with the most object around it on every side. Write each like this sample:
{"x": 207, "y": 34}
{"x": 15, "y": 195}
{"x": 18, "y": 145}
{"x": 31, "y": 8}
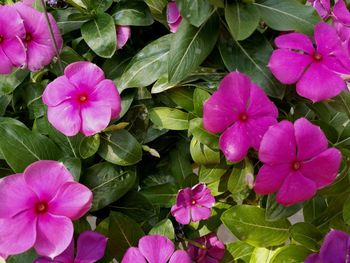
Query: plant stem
{"x": 52, "y": 36}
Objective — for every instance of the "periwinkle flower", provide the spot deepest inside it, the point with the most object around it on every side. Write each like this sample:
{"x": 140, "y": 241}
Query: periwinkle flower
{"x": 82, "y": 100}
{"x": 174, "y": 17}
{"x": 37, "y": 209}
{"x": 315, "y": 70}
{"x": 213, "y": 249}
{"x": 297, "y": 162}
{"x": 323, "y": 7}
{"x": 12, "y": 50}
{"x": 335, "y": 249}
{"x": 91, "y": 247}
{"x": 123, "y": 35}
{"x": 242, "y": 111}
{"x": 155, "y": 249}
{"x": 193, "y": 204}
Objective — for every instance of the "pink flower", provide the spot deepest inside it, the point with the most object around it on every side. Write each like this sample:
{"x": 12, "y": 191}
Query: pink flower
{"x": 91, "y": 247}
{"x": 37, "y": 209}
{"x": 297, "y": 162}
{"x": 81, "y": 100}
{"x": 193, "y": 204}
{"x": 339, "y": 12}
{"x": 155, "y": 249}
{"x": 123, "y": 34}
{"x": 173, "y": 16}
{"x": 12, "y": 50}
{"x": 323, "y": 7}
{"x": 316, "y": 71}
{"x": 242, "y": 111}
{"x": 28, "y": 2}
{"x": 37, "y": 39}
{"x": 212, "y": 252}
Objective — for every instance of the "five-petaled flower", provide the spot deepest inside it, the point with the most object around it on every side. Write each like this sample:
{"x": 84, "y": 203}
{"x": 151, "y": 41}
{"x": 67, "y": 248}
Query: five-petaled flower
{"x": 297, "y": 162}
{"x": 37, "y": 209}
{"x": 242, "y": 111}
{"x": 82, "y": 100}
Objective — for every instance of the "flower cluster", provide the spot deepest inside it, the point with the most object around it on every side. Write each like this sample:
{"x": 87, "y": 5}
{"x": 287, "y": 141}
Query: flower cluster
{"x": 26, "y": 40}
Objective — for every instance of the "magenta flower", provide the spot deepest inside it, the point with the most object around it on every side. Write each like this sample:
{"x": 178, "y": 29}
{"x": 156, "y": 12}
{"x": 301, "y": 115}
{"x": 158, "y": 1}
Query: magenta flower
{"x": 37, "y": 39}
{"x": 335, "y": 249}
{"x": 212, "y": 252}
{"x": 123, "y": 34}
{"x": 173, "y": 16}
{"x": 91, "y": 247}
{"x": 339, "y": 12}
{"x": 12, "y": 50}
{"x": 81, "y": 100}
{"x": 37, "y": 209}
{"x": 323, "y": 7}
{"x": 242, "y": 111}
{"x": 297, "y": 162}
{"x": 316, "y": 71}
{"x": 193, "y": 204}
{"x": 155, "y": 249}
{"x": 28, "y": 2}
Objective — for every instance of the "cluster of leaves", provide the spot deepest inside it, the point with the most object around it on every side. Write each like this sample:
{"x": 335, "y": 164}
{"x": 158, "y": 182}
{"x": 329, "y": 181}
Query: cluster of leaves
{"x": 158, "y": 145}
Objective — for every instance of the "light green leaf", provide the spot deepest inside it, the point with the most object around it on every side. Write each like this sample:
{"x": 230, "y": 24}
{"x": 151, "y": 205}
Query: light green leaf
{"x": 163, "y": 228}
{"x": 168, "y": 118}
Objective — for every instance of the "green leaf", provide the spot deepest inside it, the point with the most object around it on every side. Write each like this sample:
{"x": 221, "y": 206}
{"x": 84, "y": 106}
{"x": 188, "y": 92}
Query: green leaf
{"x": 168, "y": 118}
{"x": 73, "y": 165}
{"x": 313, "y": 208}
{"x": 163, "y": 195}
{"x": 123, "y": 233}
{"x": 346, "y": 211}
{"x": 197, "y": 130}
{"x": 190, "y": 47}
{"x": 100, "y": 35}
{"x": 342, "y": 102}
{"x": 307, "y": 235}
{"x": 199, "y": 97}
{"x": 180, "y": 162}
{"x": 100, "y": 5}
{"x": 20, "y": 147}
{"x": 251, "y": 57}
{"x": 28, "y": 256}
{"x": 132, "y": 14}
{"x": 242, "y": 19}
{"x": 261, "y": 254}
{"x": 120, "y": 147}
{"x": 108, "y": 183}
{"x": 248, "y": 224}
{"x": 290, "y": 254}
{"x": 195, "y": 11}
{"x": 163, "y": 228}
{"x": 182, "y": 97}
{"x": 89, "y": 146}
{"x": 212, "y": 173}
{"x": 287, "y": 15}
{"x": 239, "y": 180}
{"x": 157, "y": 7}
{"x": 240, "y": 250}
{"x": 202, "y": 154}
{"x": 69, "y": 19}
{"x": 276, "y": 211}
{"x": 8, "y": 83}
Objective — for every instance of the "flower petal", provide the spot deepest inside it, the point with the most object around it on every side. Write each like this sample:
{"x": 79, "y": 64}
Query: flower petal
{"x": 270, "y": 178}
{"x": 335, "y": 247}
{"x": 234, "y": 142}
{"x": 323, "y": 168}
{"x": 295, "y": 41}
{"x": 106, "y": 91}
{"x": 202, "y": 195}
{"x": 313, "y": 258}
{"x": 13, "y": 29}
{"x": 65, "y": 117}
{"x": 95, "y": 116}
{"x": 310, "y": 139}
{"x": 18, "y": 233}
{"x": 257, "y": 128}
{"x": 173, "y": 13}
{"x": 180, "y": 256}
{"x": 278, "y": 144}
{"x": 288, "y": 66}
{"x": 326, "y": 38}
{"x": 91, "y": 246}
{"x": 200, "y": 213}
{"x": 5, "y": 63}
{"x": 295, "y": 188}
{"x": 46, "y": 177}
{"x": 38, "y": 55}
{"x": 133, "y": 255}
{"x": 156, "y": 248}
{"x": 181, "y": 213}
{"x": 123, "y": 34}
{"x": 72, "y": 200}
{"x": 15, "y": 51}
{"x": 341, "y": 12}
{"x": 260, "y": 105}
{"x": 217, "y": 248}
{"x": 58, "y": 91}
{"x": 84, "y": 73}
{"x": 67, "y": 255}
{"x": 54, "y": 234}
{"x": 319, "y": 83}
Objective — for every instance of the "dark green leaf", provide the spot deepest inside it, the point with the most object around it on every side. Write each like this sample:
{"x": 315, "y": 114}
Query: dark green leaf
{"x": 195, "y": 11}
{"x": 307, "y": 235}
{"x": 132, "y": 14}
{"x": 276, "y": 211}
{"x": 8, "y": 83}
{"x": 89, "y": 146}
{"x": 162, "y": 195}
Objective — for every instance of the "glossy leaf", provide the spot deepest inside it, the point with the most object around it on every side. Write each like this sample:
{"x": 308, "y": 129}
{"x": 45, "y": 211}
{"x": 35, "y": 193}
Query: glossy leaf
{"x": 164, "y": 228}
{"x": 195, "y": 11}
{"x": 307, "y": 235}
{"x": 168, "y": 118}
{"x": 132, "y": 14}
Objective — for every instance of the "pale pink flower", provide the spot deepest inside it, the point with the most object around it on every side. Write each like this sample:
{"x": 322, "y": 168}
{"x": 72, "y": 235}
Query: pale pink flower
{"x": 123, "y": 35}
{"x": 37, "y": 209}
{"x": 193, "y": 204}
{"x": 82, "y": 100}
{"x": 173, "y": 16}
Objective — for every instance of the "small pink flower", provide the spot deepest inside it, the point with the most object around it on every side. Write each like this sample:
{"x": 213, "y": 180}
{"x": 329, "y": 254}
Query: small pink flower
{"x": 12, "y": 50}
{"x": 91, "y": 247}
{"x": 316, "y": 71}
{"x": 81, "y": 100}
{"x": 297, "y": 162}
{"x": 242, "y": 111}
{"x": 37, "y": 209}
{"x": 173, "y": 16}
{"x": 193, "y": 204}
{"x": 213, "y": 249}
{"x": 37, "y": 39}
{"x": 155, "y": 249}
{"x": 323, "y": 7}
{"x": 123, "y": 35}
